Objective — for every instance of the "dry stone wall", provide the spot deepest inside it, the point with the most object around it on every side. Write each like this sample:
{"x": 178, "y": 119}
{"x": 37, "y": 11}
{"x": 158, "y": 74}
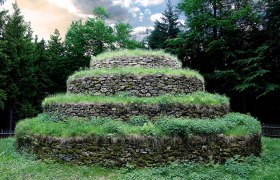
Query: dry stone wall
{"x": 124, "y": 111}
{"x": 137, "y": 85}
{"x": 137, "y": 150}
{"x": 140, "y": 151}
{"x": 142, "y": 61}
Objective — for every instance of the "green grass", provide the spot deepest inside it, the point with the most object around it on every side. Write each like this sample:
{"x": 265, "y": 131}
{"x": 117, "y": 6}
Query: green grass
{"x": 137, "y": 71}
{"x": 15, "y": 165}
{"x": 234, "y": 124}
{"x": 134, "y": 53}
{"x": 197, "y": 98}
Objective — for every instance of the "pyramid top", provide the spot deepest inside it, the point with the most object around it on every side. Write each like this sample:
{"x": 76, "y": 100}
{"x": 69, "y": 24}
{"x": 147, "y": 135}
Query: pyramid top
{"x": 135, "y": 58}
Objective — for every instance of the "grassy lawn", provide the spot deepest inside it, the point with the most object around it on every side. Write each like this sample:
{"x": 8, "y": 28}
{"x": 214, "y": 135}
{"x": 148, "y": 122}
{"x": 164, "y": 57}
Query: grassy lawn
{"x": 14, "y": 165}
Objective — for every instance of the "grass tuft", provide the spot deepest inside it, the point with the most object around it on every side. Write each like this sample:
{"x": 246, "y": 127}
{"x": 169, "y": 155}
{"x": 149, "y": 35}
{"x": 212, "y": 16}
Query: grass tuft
{"x": 133, "y": 53}
{"x": 199, "y": 98}
{"x": 137, "y": 71}
{"x": 165, "y": 126}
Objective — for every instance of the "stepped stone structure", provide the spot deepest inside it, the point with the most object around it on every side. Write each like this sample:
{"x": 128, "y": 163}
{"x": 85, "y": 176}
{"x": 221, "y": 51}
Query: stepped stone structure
{"x": 137, "y": 150}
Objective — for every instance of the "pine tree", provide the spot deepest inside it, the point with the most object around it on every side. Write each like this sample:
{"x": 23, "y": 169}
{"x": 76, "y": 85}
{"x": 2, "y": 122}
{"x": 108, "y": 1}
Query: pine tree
{"x": 3, "y": 61}
{"x": 59, "y": 68}
{"x": 20, "y": 74}
{"x": 168, "y": 28}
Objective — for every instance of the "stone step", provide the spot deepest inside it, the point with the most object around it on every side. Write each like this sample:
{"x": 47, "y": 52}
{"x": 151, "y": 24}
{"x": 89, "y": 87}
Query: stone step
{"x": 196, "y": 105}
{"x": 125, "y": 60}
{"x": 140, "y": 150}
{"x": 143, "y": 83}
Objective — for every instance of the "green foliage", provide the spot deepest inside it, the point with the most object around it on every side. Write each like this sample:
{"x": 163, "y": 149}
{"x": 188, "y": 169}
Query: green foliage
{"x": 243, "y": 169}
{"x": 138, "y": 120}
{"x": 231, "y": 124}
{"x": 124, "y": 38}
{"x": 2, "y": 99}
{"x": 57, "y": 66}
{"x": 100, "y": 12}
{"x": 135, "y": 70}
{"x": 225, "y": 40}
{"x": 199, "y": 98}
{"x": 93, "y": 37}
{"x": 149, "y": 129}
{"x": 165, "y": 29}
{"x": 163, "y": 126}
{"x": 18, "y": 65}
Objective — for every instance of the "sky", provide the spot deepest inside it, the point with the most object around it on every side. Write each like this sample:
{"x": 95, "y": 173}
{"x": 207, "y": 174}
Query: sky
{"x": 47, "y": 15}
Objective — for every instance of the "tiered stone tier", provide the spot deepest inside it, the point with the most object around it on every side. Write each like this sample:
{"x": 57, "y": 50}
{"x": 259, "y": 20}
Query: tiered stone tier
{"x": 126, "y": 86}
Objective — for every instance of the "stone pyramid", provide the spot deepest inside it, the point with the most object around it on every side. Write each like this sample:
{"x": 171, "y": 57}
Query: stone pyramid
{"x": 141, "y": 108}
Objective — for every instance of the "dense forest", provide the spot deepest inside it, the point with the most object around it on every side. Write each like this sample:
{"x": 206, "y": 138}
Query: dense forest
{"x": 234, "y": 44}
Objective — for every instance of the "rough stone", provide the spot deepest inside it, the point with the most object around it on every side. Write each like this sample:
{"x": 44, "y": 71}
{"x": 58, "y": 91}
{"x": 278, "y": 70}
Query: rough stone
{"x": 137, "y": 85}
{"x": 141, "y": 151}
{"x": 145, "y": 61}
{"x": 124, "y": 111}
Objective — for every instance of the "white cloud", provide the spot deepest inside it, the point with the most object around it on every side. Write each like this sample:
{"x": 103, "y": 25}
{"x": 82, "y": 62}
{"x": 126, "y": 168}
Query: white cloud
{"x": 156, "y": 17}
{"x": 181, "y": 21}
{"x": 7, "y": 5}
{"x": 142, "y": 30}
{"x": 148, "y": 12}
{"x": 123, "y": 3}
{"x": 141, "y": 17}
{"x": 65, "y": 4}
{"x": 134, "y": 11}
{"x": 146, "y": 3}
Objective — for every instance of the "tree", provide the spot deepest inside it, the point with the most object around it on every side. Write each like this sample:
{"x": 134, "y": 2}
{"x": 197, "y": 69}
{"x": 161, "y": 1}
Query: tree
{"x": 75, "y": 42}
{"x": 167, "y": 29}
{"x": 124, "y": 38}
{"x": 59, "y": 68}
{"x": 3, "y": 60}
{"x": 93, "y": 37}
{"x": 272, "y": 28}
{"x": 224, "y": 40}
{"x": 100, "y": 13}
{"x": 20, "y": 72}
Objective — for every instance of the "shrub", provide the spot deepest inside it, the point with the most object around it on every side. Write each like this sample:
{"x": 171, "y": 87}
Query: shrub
{"x": 138, "y": 120}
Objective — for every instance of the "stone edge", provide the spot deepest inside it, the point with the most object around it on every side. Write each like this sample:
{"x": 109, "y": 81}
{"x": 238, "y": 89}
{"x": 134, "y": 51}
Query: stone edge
{"x": 124, "y": 111}
{"x": 140, "y": 150}
{"x": 198, "y": 84}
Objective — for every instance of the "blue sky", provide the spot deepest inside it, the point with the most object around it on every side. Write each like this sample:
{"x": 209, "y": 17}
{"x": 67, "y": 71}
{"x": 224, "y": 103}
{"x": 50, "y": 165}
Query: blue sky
{"x": 47, "y": 15}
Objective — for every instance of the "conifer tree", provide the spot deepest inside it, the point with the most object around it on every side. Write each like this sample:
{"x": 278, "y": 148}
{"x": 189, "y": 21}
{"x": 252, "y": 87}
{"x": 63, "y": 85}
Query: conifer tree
{"x": 165, "y": 29}
{"x": 58, "y": 66}
{"x": 3, "y": 60}
{"x": 20, "y": 72}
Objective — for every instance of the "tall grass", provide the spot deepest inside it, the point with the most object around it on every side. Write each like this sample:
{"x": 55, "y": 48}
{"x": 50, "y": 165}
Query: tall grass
{"x": 136, "y": 71}
{"x": 199, "y": 98}
{"x": 133, "y": 53}
{"x": 231, "y": 124}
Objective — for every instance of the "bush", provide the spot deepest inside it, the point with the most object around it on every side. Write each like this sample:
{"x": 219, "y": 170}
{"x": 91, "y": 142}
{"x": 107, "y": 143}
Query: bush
{"x": 138, "y": 120}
